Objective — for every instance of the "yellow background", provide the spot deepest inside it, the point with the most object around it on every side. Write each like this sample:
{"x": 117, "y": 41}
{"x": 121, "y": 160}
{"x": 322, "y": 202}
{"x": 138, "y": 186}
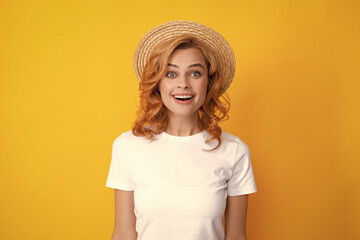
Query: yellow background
{"x": 68, "y": 89}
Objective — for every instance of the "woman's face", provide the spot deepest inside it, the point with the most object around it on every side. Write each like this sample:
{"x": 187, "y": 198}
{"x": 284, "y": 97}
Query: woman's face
{"x": 184, "y": 86}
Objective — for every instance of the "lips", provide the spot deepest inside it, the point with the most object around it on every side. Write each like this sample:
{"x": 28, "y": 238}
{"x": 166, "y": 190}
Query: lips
{"x": 183, "y": 98}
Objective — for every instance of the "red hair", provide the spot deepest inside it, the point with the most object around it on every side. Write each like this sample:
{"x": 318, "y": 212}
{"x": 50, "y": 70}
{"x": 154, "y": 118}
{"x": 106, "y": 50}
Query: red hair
{"x": 152, "y": 117}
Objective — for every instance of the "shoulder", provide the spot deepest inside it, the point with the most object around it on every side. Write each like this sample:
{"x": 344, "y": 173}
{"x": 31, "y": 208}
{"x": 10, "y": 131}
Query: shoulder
{"x": 229, "y": 139}
{"x": 126, "y": 135}
{"x": 129, "y": 138}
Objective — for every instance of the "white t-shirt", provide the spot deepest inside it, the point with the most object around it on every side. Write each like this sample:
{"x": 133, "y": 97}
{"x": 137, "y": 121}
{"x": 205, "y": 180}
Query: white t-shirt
{"x": 180, "y": 190}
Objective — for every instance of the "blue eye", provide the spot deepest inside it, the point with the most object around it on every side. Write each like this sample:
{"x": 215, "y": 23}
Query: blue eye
{"x": 170, "y": 74}
{"x": 195, "y": 74}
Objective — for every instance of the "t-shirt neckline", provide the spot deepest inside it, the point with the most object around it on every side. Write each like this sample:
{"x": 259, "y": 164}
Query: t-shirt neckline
{"x": 196, "y": 136}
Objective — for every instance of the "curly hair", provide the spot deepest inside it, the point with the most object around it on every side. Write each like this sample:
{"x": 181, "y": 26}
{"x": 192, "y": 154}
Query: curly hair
{"x": 152, "y": 117}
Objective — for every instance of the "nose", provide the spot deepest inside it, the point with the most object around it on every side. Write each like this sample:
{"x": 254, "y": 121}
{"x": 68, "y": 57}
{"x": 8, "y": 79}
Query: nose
{"x": 183, "y": 82}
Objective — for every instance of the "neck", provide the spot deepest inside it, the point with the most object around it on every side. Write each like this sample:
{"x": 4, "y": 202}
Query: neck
{"x": 183, "y": 126}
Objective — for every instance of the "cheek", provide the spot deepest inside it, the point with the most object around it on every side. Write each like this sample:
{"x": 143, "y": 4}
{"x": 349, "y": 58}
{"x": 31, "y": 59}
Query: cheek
{"x": 202, "y": 90}
{"x": 203, "y": 86}
{"x": 162, "y": 88}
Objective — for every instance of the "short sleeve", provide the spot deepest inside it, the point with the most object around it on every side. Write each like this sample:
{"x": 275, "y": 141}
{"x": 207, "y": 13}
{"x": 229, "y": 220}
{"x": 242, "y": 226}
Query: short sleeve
{"x": 119, "y": 176}
{"x": 242, "y": 180}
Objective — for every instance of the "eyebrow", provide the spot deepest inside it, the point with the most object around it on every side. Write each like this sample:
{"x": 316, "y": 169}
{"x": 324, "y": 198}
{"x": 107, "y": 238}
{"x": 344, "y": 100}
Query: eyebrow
{"x": 192, "y": 65}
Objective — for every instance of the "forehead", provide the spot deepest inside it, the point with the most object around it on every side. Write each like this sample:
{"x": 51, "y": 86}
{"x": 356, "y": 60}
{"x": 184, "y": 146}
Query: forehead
{"x": 187, "y": 56}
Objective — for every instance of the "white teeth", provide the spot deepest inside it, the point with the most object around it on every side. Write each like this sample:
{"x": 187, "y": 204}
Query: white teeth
{"x": 183, "y": 96}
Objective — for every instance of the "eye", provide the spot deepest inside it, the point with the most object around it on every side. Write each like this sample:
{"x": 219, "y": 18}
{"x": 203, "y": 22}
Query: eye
{"x": 170, "y": 74}
{"x": 195, "y": 74}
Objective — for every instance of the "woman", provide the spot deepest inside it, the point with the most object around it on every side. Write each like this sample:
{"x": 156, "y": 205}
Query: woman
{"x": 176, "y": 173}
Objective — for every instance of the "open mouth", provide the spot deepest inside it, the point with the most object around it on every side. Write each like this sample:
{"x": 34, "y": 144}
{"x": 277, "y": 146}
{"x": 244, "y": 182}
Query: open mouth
{"x": 183, "y": 97}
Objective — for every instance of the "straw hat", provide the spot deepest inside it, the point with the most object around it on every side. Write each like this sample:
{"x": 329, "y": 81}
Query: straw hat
{"x": 164, "y": 32}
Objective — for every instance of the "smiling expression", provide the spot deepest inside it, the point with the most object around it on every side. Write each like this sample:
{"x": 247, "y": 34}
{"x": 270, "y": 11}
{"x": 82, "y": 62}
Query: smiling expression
{"x": 184, "y": 86}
